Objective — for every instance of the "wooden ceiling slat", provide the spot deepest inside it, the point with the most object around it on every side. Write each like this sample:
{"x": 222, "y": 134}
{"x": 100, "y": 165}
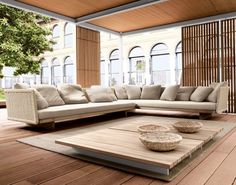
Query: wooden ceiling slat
{"x": 163, "y": 13}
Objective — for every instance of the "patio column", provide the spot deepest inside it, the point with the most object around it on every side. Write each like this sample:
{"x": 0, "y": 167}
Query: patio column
{"x": 121, "y": 58}
{"x": 87, "y": 57}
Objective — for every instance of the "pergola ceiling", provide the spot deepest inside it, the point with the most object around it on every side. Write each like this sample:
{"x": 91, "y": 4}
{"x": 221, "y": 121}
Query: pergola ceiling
{"x": 124, "y": 16}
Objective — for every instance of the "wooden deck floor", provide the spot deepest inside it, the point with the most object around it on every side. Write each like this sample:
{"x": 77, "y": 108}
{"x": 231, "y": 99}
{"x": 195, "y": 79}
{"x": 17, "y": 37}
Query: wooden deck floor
{"x": 21, "y": 164}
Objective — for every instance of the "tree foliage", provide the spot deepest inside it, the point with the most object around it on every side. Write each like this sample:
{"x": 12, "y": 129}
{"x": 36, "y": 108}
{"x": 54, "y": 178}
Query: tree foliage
{"x": 23, "y": 37}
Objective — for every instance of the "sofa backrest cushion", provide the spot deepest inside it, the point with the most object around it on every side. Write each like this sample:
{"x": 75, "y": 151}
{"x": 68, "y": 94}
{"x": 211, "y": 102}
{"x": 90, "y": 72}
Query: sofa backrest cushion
{"x": 133, "y": 92}
{"x": 201, "y": 93}
{"x": 170, "y": 93}
{"x": 97, "y": 94}
{"x": 120, "y": 92}
{"x": 216, "y": 88}
{"x": 50, "y": 93}
{"x": 184, "y": 93}
{"x": 110, "y": 91}
{"x": 21, "y": 86}
{"x": 151, "y": 92}
{"x": 72, "y": 93}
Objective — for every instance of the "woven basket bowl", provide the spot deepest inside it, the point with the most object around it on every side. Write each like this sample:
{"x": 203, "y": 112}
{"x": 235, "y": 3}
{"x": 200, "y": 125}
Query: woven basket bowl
{"x": 188, "y": 126}
{"x": 160, "y": 141}
{"x": 151, "y": 128}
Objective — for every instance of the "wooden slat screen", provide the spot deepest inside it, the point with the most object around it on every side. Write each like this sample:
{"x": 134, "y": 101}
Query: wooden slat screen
{"x": 87, "y": 57}
{"x": 200, "y": 54}
{"x": 228, "y": 59}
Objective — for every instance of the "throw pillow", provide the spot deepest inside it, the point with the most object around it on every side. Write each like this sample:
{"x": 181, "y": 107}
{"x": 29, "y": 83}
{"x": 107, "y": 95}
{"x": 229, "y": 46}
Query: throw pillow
{"x": 72, "y": 93}
{"x": 21, "y": 86}
{"x": 97, "y": 95}
{"x": 41, "y": 102}
{"x": 120, "y": 92}
{"x": 216, "y": 88}
{"x": 50, "y": 93}
{"x": 201, "y": 93}
{"x": 170, "y": 93}
{"x": 133, "y": 92}
{"x": 151, "y": 92}
{"x": 184, "y": 93}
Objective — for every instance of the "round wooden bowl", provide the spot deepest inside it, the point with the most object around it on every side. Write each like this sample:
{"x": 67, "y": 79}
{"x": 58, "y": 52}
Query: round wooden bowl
{"x": 152, "y": 128}
{"x": 160, "y": 141}
{"x": 188, "y": 126}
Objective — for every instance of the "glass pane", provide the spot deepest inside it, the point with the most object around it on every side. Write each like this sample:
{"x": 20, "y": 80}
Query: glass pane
{"x": 68, "y": 60}
{"x": 159, "y": 49}
{"x": 68, "y": 28}
{"x": 136, "y": 52}
{"x": 103, "y": 66}
{"x": 115, "y": 66}
{"x": 56, "y": 31}
{"x": 179, "y": 48}
{"x": 69, "y": 73}
{"x": 45, "y": 75}
{"x": 56, "y": 75}
{"x": 68, "y": 42}
{"x": 114, "y": 54}
{"x": 55, "y": 62}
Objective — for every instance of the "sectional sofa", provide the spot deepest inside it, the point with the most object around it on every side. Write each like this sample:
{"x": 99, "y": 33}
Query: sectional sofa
{"x": 44, "y": 105}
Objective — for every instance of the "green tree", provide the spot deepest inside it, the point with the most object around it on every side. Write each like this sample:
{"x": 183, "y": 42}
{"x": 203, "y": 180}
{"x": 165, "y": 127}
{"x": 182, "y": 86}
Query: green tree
{"x": 23, "y": 37}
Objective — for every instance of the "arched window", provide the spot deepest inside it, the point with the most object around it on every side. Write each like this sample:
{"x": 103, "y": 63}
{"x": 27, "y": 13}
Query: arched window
{"x": 160, "y": 64}
{"x": 103, "y": 71}
{"x": 136, "y": 66}
{"x": 68, "y": 70}
{"x": 44, "y": 72}
{"x": 178, "y": 64}
{"x": 56, "y": 36}
{"x": 56, "y": 71}
{"x": 68, "y": 35}
{"x": 114, "y": 68}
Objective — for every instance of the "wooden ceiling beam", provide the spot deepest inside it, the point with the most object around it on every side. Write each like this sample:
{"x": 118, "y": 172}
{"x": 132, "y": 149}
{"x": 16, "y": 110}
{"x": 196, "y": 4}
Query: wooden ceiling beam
{"x": 118, "y": 9}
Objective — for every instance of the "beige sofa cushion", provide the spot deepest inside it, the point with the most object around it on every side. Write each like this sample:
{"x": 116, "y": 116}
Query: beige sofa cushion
{"x": 120, "y": 92}
{"x": 133, "y": 92}
{"x": 216, "y": 88}
{"x": 72, "y": 93}
{"x": 170, "y": 93}
{"x": 179, "y": 105}
{"x": 41, "y": 102}
{"x": 50, "y": 94}
{"x": 86, "y": 108}
{"x": 201, "y": 93}
{"x": 108, "y": 90}
{"x": 21, "y": 86}
{"x": 151, "y": 92}
{"x": 184, "y": 93}
{"x": 98, "y": 94}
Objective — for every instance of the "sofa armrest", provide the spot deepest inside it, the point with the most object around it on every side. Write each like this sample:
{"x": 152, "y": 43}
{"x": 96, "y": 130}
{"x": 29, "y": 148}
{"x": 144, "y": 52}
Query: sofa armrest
{"x": 222, "y": 100}
{"x": 21, "y": 105}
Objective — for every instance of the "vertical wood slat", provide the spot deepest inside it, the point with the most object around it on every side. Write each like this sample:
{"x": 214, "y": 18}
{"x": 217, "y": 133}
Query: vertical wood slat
{"x": 228, "y": 34}
{"x": 200, "y": 54}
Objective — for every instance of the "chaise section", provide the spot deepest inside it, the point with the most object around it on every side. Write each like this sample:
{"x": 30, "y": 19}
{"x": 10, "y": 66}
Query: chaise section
{"x": 57, "y": 112}
{"x": 179, "y": 105}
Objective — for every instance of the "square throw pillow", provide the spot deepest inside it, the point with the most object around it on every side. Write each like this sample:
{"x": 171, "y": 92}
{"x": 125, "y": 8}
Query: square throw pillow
{"x": 41, "y": 102}
{"x": 109, "y": 90}
{"x": 216, "y": 88}
{"x": 72, "y": 93}
{"x": 170, "y": 93}
{"x": 184, "y": 93}
{"x": 21, "y": 86}
{"x": 50, "y": 94}
{"x": 97, "y": 95}
{"x": 201, "y": 93}
{"x": 133, "y": 92}
{"x": 120, "y": 92}
{"x": 151, "y": 92}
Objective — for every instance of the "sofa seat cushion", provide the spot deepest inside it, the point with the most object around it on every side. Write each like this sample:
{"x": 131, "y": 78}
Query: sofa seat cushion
{"x": 208, "y": 106}
{"x": 77, "y": 109}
